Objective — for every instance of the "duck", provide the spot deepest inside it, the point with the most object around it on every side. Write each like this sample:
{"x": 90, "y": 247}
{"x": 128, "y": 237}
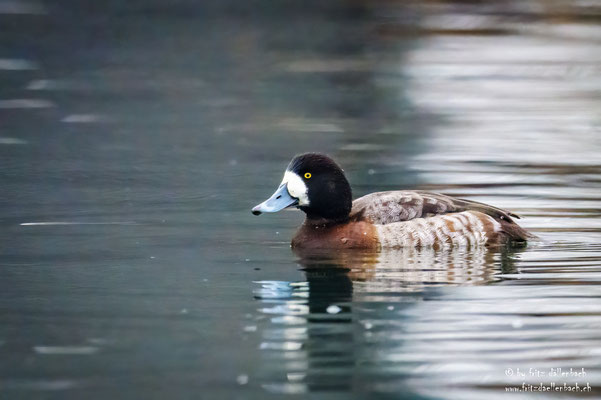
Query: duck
{"x": 315, "y": 184}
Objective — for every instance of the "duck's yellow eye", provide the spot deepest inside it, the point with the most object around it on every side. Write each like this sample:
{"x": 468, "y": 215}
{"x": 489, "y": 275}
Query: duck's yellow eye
{"x": 307, "y": 175}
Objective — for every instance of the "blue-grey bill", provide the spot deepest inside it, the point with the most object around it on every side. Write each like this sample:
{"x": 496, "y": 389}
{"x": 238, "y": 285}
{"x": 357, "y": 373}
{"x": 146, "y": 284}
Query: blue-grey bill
{"x": 278, "y": 201}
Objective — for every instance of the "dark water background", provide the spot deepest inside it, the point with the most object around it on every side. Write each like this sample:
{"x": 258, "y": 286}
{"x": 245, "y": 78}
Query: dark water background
{"x": 135, "y": 136}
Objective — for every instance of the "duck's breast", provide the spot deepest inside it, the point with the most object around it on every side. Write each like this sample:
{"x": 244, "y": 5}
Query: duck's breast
{"x": 351, "y": 235}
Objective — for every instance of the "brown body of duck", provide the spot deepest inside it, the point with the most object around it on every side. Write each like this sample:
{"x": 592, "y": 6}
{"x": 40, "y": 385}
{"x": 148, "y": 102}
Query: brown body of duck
{"x": 315, "y": 184}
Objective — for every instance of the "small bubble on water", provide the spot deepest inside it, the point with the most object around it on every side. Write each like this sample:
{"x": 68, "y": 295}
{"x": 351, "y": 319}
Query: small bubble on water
{"x": 333, "y": 309}
{"x": 9, "y": 64}
{"x": 390, "y": 308}
{"x": 250, "y": 328}
{"x": 81, "y": 119}
{"x": 368, "y": 325}
{"x": 25, "y": 103}
{"x": 41, "y": 84}
{"x": 11, "y": 141}
{"x": 66, "y": 350}
{"x": 247, "y": 259}
{"x": 242, "y": 379}
{"x": 296, "y": 376}
{"x": 371, "y": 171}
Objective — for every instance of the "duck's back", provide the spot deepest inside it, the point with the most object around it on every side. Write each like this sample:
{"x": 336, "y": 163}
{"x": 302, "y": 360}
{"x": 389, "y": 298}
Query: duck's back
{"x": 416, "y": 218}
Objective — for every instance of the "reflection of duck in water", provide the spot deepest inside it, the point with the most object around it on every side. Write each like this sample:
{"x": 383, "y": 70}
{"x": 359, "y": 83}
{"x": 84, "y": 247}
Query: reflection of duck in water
{"x": 410, "y": 269}
{"x": 334, "y": 329}
{"x": 315, "y": 184}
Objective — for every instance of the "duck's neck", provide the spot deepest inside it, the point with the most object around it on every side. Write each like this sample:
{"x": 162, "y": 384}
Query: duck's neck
{"x": 320, "y": 222}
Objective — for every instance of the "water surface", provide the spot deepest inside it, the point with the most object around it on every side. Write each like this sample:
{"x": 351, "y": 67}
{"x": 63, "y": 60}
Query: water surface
{"x": 135, "y": 138}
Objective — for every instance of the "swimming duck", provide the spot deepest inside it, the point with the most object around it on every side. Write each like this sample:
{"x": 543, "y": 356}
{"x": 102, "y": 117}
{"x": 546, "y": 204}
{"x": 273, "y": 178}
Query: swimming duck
{"x": 315, "y": 184}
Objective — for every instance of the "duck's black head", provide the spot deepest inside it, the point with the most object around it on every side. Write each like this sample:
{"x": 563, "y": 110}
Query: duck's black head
{"x": 314, "y": 183}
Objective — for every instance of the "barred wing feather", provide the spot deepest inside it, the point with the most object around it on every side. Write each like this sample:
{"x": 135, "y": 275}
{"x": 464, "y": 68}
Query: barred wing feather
{"x": 388, "y": 207}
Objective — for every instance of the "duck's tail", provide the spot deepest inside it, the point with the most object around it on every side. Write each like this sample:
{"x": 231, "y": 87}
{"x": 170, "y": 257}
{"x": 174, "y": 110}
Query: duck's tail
{"x": 512, "y": 232}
